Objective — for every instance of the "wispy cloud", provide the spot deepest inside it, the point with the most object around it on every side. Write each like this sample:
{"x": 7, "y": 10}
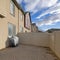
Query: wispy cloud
{"x": 50, "y": 21}
{"x": 48, "y": 3}
{"x": 53, "y": 19}
{"x": 35, "y": 6}
{"x": 51, "y": 10}
{"x": 19, "y": 1}
{"x": 31, "y": 6}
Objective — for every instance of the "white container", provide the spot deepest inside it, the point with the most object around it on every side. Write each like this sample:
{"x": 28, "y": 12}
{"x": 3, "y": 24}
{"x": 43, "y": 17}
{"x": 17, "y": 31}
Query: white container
{"x": 16, "y": 40}
{"x": 13, "y": 41}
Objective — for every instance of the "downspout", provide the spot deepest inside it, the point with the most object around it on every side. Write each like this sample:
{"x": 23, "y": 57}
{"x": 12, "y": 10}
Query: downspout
{"x": 18, "y": 20}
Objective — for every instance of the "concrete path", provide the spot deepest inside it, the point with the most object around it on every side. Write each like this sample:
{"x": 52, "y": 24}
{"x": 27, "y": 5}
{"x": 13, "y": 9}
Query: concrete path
{"x": 25, "y": 52}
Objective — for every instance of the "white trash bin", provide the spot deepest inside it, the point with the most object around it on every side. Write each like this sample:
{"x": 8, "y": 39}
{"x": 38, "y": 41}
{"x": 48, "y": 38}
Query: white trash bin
{"x": 16, "y": 40}
{"x": 13, "y": 41}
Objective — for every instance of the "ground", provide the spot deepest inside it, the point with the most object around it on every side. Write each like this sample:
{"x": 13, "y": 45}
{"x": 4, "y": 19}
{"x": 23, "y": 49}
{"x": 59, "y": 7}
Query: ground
{"x": 27, "y": 52}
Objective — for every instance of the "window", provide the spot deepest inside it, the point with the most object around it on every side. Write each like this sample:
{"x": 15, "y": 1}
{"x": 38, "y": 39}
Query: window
{"x": 20, "y": 16}
{"x": 12, "y": 8}
{"x": 11, "y": 29}
{"x": 27, "y": 23}
{"x": 21, "y": 29}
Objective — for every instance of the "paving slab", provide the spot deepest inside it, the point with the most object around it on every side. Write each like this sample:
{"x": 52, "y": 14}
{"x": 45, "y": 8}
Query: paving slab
{"x": 26, "y": 52}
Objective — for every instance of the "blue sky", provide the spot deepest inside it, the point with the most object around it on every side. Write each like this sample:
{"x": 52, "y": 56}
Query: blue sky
{"x": 45, "y": 13}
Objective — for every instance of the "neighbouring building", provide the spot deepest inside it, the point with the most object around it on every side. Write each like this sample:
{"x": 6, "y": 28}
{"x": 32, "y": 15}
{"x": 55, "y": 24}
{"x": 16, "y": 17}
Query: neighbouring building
{"x": 34, "y": 28}
{"x": 11, "y": 20}
{"x": 40, "y": 31}
{"x": 52, "y": 30}
{"x": 27, "y": 22}
{"x": 21, "y": 21}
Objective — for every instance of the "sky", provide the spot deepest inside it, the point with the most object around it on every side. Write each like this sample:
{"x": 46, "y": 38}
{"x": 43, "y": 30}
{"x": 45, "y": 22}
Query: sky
{"x": 45, "y": 13}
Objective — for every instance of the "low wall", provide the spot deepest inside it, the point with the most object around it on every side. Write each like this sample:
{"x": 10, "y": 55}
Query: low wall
{"x": 38, "y": 39}
{"x": 55, "y": 43}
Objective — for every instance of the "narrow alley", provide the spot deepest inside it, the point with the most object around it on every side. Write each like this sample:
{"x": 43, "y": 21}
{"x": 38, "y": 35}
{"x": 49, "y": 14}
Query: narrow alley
{"x": 27, "y": 52}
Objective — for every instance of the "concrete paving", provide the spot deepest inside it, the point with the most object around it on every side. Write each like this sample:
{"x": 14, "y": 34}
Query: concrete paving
{"x": 25, "y": 52}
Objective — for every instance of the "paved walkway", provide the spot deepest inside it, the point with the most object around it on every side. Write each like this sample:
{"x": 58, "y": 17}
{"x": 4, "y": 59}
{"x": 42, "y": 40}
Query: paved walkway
{"x": 25, "y": 52}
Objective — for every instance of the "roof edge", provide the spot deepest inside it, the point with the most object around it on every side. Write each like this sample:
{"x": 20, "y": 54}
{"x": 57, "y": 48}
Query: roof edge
{"x": 18, "y": 6}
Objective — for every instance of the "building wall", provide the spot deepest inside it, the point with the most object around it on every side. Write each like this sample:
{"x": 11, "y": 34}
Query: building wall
{"x": 21, "y": 21}
{"x": 8, "y": 17}
{"x": 37, "y": 39}
{"x": 55, "y": 42}
{"x": 5, "y": 10}
{"x": 27, "y": 22}
{"x": 34, "y": 28}
{"x": 3, "y": 33}
{"x": 51, "y": 40}
{"x": 27, "y": 30}
{"x": 3, "y": 7}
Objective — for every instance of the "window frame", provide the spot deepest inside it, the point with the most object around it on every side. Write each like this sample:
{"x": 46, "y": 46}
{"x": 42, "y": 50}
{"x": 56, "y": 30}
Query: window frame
{"x": 12, "y": 9}
{"x": 21, "y": 29}
{"x": 12, "y": 28}
{"x": 20, "y": 16}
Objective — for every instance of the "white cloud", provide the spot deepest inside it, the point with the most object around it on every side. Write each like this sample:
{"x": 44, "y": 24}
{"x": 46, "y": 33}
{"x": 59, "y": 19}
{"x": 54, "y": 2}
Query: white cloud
{"x": 32, "y": 5}
{"x": 28, "y": 1}
{"x": 34, "y": 11}
{"x": 36, "y": 5}
{"x": 55, "y": 11}
{"x": 47, "y": 22}
{"x": 53, "y": 19}
{"x": 19, "y": 1}
{"x": 51, "y": 10}
{"x": 48, "y": 3}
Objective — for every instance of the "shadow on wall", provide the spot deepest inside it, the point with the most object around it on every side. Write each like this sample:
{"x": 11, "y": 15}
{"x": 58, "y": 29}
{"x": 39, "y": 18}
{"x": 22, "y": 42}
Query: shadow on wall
{"x": 7, "y": 43}
{"x": 37, "y": 39}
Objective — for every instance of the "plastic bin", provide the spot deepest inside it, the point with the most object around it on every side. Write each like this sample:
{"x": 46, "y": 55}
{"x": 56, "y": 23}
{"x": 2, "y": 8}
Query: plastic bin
{"x": 13, "y": 41}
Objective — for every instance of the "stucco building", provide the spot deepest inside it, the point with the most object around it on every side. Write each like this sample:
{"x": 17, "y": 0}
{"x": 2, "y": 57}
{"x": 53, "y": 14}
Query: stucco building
{"x": 52, "y": 30}
{"x": 11, "y": 20}
{"x": 27, "y": 22}
{"x": 21, "y": 22}
{"x": 34, "y": 28}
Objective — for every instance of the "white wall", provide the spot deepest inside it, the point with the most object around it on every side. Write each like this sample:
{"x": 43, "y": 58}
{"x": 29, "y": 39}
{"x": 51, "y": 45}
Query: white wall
{"x": 51, "y": 40}
{"x": 38, "y": 39}
{"x": 55, "y": 42}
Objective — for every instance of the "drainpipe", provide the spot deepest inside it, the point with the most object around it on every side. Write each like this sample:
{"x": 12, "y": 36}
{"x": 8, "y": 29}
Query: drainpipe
{"x": 18, "y": 20}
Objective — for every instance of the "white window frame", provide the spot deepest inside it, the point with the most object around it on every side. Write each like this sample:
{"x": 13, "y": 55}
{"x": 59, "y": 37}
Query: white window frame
{"x": 21, "y": 29}
{"x": 12, "y": 8}
{"x": 21, "y": 16}
{"x": 11, "y": 29}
